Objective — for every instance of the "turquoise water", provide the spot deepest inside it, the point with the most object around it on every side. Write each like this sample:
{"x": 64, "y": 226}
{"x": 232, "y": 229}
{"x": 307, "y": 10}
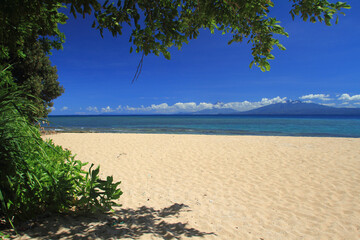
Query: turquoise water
{"x": 339, "y": 126}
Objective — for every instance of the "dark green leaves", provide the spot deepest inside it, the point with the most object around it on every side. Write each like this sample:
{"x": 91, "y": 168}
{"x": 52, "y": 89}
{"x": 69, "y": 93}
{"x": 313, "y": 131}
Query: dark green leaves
{"x": 159, "y": 25}
{"x": 167, "y": 55}
{"x": 322, "y": 11}
{"x": 96, "y": 195}
{"x": 171, "y": 23}
{"x": 37, "y": 176}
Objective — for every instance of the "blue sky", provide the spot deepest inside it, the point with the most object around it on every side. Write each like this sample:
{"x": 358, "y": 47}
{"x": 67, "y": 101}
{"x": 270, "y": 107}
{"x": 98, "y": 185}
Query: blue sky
{"x": 321, "y": 64}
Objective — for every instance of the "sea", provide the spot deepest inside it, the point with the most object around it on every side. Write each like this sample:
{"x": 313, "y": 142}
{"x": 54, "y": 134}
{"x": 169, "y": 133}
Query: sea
{"x": 313, "y": 126}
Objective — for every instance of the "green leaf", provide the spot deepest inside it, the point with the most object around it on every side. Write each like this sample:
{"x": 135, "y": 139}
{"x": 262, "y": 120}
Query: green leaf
{"x": 167, "y": 55}
{"x": 267, "y": 66}
{"x": 251, "y": 64}
{"x": 292, "y": 15}
{"x": 305, "y": 17}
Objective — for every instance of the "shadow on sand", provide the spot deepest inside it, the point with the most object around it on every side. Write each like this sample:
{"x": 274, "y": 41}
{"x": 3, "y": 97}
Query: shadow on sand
{"x": 123, "y": 223}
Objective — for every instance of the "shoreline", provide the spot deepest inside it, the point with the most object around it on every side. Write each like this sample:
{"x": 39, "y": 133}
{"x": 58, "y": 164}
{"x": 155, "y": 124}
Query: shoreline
{"x": 54, "y": 131}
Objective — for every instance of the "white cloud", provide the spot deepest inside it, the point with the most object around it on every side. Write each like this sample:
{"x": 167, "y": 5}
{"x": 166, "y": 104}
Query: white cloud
{"x": 64, "y": 108}
{"x": 159, "y": 107}
{"x": 204, "y": 105}
{"x": 107, "y": 109}
{"x": 52, "y": 108}
{"x": 329, "y": 104}
{"x": 127, "y": 108}
{"x": 357, "y": 103}
{"x": 323, "y": 97}
{"x": 246, "y": 105}
{"x": 92, "y": 109}
{"x": 347, "y": 97}
{"x": 278, "y": 99}
{"x": 189, "y": 107}
{"x": 185, "y": 106}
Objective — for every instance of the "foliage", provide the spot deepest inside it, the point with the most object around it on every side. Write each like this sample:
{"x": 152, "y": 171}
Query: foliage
{"x": 37, "y": 77}
{"x": 96, "y": 194}
{"x": 28, "y": 32}
{"x": 36, "y": 176}
{"x": 23, "y": 21}
{"x": 3, "y": 236}
{"x": 158, "y": 25}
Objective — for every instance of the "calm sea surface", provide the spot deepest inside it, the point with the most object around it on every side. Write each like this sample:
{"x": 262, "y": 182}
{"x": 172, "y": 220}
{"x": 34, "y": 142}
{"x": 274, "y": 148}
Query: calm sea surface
{"x": 326, "y": 126}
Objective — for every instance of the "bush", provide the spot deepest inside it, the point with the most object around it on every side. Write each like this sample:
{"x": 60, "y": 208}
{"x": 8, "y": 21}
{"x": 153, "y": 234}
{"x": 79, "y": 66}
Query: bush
{"x": 36, "y": 176}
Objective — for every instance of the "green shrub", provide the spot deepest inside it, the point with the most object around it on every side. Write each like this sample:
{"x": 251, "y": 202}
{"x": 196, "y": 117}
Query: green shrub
{"x": 36, "y": 176}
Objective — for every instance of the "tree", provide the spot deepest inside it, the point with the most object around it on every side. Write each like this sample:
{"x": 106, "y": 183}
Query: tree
{"x": 28, "y": 32}
{"x": 37, "y": 77}
{"x": 156, "y": 25}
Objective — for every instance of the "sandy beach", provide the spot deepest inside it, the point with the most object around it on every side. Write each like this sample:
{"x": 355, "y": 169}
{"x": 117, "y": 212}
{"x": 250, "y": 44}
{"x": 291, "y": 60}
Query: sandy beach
{"x": 220, "y": 187}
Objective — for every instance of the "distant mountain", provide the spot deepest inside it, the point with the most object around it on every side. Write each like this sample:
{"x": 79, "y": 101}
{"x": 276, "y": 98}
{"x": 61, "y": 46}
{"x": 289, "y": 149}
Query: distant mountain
{"x": 216, "y": 111}
{"x": 287, "y": 108}
{"x": 300, "y": 108}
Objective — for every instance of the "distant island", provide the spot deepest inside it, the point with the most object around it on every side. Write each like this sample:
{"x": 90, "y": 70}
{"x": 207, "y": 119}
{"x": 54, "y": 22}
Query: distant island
{"x": 287, "y": 108}
{"x": 290, "y": 107}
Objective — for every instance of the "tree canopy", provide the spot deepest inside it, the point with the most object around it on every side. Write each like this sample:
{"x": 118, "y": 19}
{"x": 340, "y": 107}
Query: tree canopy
{"x": 155, "y": 25}
{"x": 28, "y": 32}
{"x": 37, "y": 77}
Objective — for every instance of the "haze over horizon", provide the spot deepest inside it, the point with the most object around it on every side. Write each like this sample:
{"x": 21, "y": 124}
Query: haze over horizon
{"x": 319, "y": 65}
{"x": 219, "y": 107}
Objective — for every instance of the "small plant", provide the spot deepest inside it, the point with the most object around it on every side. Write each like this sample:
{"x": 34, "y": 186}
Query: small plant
{"x": 96, "y": 194}
{"x": 3, "y": 236}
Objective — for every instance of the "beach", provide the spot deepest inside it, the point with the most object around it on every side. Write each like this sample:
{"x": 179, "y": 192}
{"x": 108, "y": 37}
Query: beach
{"x": 221, "y": 187}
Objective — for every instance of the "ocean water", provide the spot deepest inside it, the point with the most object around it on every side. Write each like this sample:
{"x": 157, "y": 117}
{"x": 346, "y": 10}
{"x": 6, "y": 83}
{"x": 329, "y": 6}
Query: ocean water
{"x": 325, "y": 126}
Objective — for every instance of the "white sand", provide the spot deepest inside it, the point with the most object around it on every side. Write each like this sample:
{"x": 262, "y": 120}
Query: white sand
{"x": 235, "y": 187}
